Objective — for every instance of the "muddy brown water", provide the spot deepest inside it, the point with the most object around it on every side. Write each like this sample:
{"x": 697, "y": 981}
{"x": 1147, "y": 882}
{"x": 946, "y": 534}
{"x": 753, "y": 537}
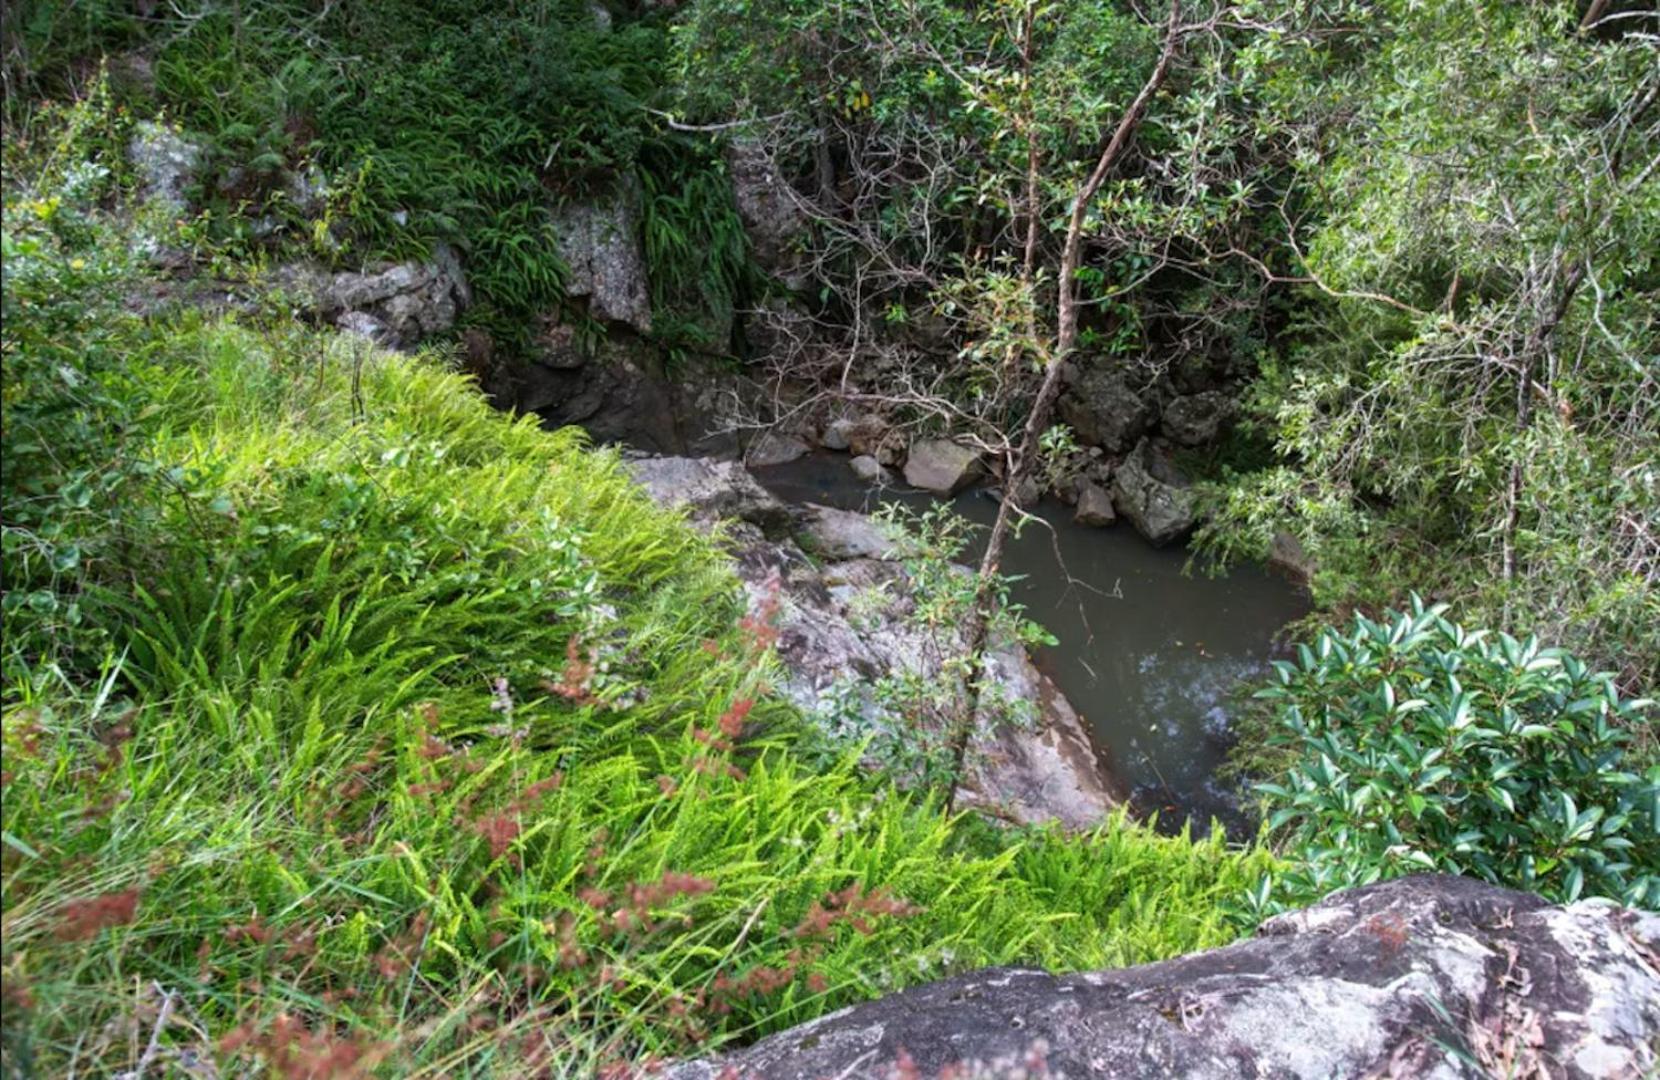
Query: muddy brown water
{"x": 1155, "y": 655}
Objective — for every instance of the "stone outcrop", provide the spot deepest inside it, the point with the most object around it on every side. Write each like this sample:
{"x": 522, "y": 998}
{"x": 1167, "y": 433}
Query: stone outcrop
{"x": 1149, "y": 491}
{"x": 942, "y": 466}
{"x": 843, "y": 600}
{"x": 1104, "y": 409}
{"x": 599, "y": 242}
{"x": 1425, "y": 976}
{"x": 771, "y": 216}
{"x": 1196, "y": 419}
{"x": 396, "y": 304}
{"x": 618, "y": 390}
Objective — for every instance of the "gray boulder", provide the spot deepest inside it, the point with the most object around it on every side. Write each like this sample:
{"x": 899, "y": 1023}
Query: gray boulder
{"x": 1196, "y": 419}
{"x": 409, "y": 301}
{"x": 838, "y": 433}
{"x": 599, "y": 242}
{"x": 1104, "y": 409}
{"x": 365, "y": 325}
{"x": 869, "y": 470}
{"x": 166, "y": 164}
{"x": 1430, "y": 975}
{"x": 1287, "y": 555}
{"x": 1094, "y": 506}
{"x": 774, "y": 448}
{"x": 838, "y": 535}
{"x": 771, "y": 215}
{"x": 1149, "y": 491}
{"x": 711, "y": 491}
{"x": 942, "y": 466}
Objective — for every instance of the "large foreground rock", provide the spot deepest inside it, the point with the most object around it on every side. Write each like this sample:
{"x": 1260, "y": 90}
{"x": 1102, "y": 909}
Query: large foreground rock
{"x": 843, "y": 626}
{"x": 1427, "y": 976}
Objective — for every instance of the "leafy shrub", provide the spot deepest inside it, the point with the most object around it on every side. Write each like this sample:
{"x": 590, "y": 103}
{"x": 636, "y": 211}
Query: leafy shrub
{"x": 1425, "y": 746}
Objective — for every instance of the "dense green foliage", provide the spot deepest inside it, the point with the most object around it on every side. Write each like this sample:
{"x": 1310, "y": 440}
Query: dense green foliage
{"x": 1424, "y": 234}
{"x": 348, "y": 721}
{"x": 1422, "y": 746}
{"x": 1464, "y": 401}
{"x": 417, "y": 122}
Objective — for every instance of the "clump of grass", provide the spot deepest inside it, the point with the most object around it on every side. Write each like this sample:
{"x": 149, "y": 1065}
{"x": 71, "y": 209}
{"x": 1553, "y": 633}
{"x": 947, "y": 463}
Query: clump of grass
{"x": 373, "y": 730}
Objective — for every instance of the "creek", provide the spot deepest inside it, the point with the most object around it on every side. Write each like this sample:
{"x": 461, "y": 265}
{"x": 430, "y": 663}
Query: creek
{"x": 1157, "y": 659}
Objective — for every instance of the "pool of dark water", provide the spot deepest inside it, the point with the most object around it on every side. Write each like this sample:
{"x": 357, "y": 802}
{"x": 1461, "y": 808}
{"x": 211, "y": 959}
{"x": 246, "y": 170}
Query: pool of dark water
{"x": 1155, "y": 655}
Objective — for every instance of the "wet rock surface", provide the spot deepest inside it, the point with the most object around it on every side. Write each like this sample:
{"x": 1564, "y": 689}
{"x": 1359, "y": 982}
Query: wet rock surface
{"x": 843, "y": 600}
{"x": 1431, "y": 976}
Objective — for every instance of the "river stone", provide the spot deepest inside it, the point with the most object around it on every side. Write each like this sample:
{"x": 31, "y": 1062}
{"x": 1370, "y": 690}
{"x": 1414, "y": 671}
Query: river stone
{"x": 942, "y": 466}
{"x": 1429, "y": 975}
{"x": 1287, "y": 554}
{"x": 1094, "y": 506}
{"x": 599, "y": 241}
{"x": 1105, "y": 410}
{"x": 868, "y": 469}
{"x": 842, "y": 534}
{"x": 1196, "y": 419}
{"x": 838, "y": 433}
{"x": 1149, "y": 491}
{"x": 774, "y": 448}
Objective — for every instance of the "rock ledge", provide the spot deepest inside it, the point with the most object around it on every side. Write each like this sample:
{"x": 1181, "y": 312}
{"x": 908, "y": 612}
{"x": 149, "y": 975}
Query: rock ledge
{"x": 1425, "y": 976}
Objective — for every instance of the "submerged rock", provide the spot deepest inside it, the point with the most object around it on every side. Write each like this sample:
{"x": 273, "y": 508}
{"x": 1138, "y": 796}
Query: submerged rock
{"x": 942, "y": 466}
{"x": 774, "y": 448}
{"x": 842, "y": 626}
{"x": 1428, "y": 975}
{"x": 1149, "y": 491}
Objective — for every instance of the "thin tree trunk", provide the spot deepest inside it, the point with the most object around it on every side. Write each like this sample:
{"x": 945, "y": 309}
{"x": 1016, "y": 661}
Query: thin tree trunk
{"x": 1023, "y": 456}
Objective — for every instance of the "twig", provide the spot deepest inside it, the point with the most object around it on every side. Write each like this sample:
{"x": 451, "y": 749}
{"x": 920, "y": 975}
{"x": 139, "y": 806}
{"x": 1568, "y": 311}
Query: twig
{"x": 168, "y": 999}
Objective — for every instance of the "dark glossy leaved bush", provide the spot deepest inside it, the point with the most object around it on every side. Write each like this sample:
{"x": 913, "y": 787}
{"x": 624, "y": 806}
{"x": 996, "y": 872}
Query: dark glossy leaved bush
{"x": 1425, "y": 746}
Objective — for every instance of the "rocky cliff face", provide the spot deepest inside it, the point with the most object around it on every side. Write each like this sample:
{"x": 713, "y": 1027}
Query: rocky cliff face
{"x": 842, "y": 627}
{"x": 1426, "y": 976}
